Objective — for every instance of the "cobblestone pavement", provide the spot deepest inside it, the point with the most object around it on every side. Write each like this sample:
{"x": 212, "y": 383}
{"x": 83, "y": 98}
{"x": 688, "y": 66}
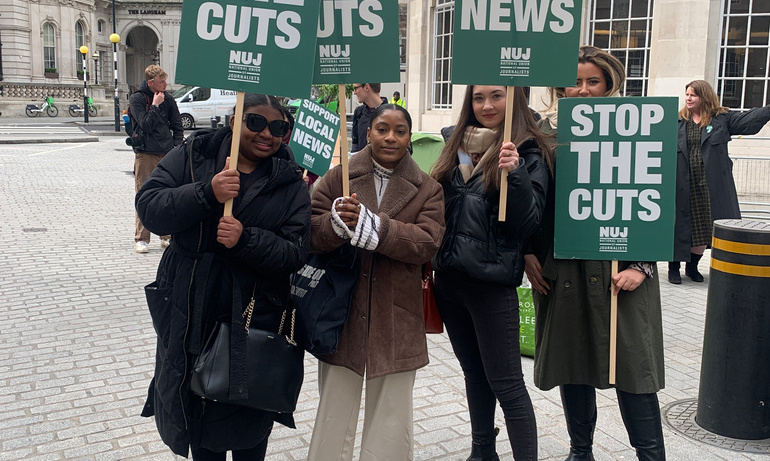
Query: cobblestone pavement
{"x": 77, "y": 343}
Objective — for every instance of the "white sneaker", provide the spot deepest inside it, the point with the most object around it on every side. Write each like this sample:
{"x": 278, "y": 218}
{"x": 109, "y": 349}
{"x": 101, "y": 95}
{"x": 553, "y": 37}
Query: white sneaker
{"x": 141, "y": 247}
{"x": 165, "y": 243}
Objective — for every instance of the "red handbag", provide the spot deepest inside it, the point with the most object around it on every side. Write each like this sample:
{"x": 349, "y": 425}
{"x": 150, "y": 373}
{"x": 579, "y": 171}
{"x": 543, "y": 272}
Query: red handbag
{"x": 433, "y": 323}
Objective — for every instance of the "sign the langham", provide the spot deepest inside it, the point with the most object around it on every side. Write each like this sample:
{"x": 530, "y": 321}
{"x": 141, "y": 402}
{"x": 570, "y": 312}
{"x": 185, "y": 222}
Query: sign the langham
{"x": 156, "y": 12}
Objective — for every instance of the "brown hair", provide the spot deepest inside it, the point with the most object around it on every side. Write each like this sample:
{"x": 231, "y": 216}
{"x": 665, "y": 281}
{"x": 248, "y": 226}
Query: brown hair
{"x": 612, "y": 69}
{"x": 153, "y": 71}
{"x": 709, "y": 102}
{"x": 523, "y": 127}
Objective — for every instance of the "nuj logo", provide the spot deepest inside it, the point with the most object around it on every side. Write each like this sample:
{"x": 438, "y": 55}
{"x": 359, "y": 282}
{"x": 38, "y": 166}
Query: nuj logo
{"x": 613, "y": 232}
{"x": 508, "y": 52}
{"x": 248, "y": 58}
{"x": 334, "y": 51}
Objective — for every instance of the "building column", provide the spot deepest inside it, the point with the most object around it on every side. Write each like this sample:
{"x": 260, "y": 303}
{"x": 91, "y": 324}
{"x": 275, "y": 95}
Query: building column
{"x": 417, "y": 60}
{"x": 685, "y": 45}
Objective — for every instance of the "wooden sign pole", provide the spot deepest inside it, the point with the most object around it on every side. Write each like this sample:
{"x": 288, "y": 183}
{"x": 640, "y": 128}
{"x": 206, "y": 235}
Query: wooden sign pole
{"x": 235, "y": 145}
{"x": 343, "y": 140}
{"x": 613, "y": 325}
{"x": 506, "y": 137}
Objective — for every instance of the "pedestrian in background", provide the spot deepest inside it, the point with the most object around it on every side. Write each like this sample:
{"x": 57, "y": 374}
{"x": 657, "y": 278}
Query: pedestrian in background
{"x": 368, "y": 95}
{"x": 481, "y": 263}
{"x": 395, "y": 219}
{"x": 572, "y": 302}
{"x": 156, "y": 113}
{"x": 216, "y": 265}
{"x": 397, "y": 99}
{"x": 705, "y": 188}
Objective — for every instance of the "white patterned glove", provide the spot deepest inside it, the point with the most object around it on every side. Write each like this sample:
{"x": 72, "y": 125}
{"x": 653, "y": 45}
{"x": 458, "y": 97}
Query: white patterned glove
{"x": 338, "y": 225}
{"x": 367, "y": 231}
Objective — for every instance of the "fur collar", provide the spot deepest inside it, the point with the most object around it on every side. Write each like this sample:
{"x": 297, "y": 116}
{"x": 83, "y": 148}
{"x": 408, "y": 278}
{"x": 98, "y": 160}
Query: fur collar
{"x": 402, "y": 186}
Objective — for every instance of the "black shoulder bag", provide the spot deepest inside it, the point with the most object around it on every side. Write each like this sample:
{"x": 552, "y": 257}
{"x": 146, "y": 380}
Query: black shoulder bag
{"x": 275, "y": 367}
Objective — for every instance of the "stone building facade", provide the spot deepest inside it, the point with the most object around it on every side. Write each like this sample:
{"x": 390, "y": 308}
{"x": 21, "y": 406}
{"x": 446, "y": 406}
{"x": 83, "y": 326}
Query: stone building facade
{"x": 40, "y": 41}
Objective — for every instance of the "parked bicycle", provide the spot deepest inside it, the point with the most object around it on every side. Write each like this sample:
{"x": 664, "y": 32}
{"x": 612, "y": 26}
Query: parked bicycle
{"x": 75, "y": 109}
{"x": 33, "y": 110}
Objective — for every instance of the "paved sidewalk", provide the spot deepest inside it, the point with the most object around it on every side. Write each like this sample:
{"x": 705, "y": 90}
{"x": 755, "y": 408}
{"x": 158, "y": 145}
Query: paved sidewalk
{"x": 77, "y": 343}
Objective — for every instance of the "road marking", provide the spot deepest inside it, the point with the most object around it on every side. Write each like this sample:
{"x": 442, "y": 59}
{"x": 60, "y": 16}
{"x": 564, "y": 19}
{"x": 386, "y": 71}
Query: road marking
{"x": 58, "y": 150}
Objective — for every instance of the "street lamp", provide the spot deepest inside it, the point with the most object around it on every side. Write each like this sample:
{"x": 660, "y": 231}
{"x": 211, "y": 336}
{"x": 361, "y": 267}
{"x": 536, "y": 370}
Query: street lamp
{"x": 115, "y": 38}
{"x": 96, "y": 67}
{"x": 84, "y": 51}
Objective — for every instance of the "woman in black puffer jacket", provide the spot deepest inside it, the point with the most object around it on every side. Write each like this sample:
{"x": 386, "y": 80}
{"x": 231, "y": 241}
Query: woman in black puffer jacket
{"x": 216, "y": 264}
{"x": 480, "y": 261}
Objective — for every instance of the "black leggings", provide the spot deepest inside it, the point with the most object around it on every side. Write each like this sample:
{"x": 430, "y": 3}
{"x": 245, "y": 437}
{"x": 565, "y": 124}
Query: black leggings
{"x": 251, "y": 454}
{"x": 482, "y": 320}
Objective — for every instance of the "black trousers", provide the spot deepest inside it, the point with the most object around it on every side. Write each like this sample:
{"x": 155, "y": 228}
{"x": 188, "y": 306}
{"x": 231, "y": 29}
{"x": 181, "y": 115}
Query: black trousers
{"x": 640, "y": 412}
{"x": 482, "y": 320}
{"x": 251, "y": 454}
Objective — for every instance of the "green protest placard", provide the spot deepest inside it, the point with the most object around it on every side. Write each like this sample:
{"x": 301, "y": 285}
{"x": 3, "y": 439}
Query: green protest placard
{"x": 519, "y": 42}
{"x": 314, "y": 136}
{"x": 616, "y": 179}
{"x": 357, "y": 42}
{"x": 258, "y": 47}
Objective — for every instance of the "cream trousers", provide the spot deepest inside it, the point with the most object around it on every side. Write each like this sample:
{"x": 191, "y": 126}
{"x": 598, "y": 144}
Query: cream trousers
{"x": 387, "y": 433}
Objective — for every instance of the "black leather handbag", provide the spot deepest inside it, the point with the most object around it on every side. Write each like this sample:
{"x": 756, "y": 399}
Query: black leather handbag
{"x": 322, "y": 292}
{"x": 275, "y": 368}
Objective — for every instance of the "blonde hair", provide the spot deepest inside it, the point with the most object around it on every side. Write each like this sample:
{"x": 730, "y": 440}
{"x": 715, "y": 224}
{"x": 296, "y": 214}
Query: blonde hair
{"x": 709, "y": 102}
{"x": 153, "y": 71}
{"x": 523, "y": 127}
{"x": 612, "y": 69}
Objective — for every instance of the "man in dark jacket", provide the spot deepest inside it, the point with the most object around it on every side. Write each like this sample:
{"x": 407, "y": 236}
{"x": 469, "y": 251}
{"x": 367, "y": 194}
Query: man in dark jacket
{"x": 368, "y": 95}
{"x": 156, "y": 113}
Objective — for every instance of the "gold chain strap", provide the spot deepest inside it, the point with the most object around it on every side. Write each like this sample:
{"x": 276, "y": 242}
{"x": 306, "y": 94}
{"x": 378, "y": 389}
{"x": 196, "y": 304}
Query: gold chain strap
{"x": 250, "y": 309}
{"x": 289, "y": 339}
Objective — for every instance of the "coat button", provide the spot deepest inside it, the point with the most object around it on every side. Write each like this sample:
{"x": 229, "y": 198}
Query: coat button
{"x": 593, "y": 280}
{"x": 363, "y": 317}
{"x": 567, "y": 284}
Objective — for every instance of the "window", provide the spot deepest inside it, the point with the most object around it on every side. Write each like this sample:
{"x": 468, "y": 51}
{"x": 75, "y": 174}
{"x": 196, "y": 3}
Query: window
{"x": 100, "y": 26}
{"x": 402, "y": 34}
{"x": 743, "y": 76}
{"x": 443, "y": 18}
{"x": 624, "y": 28}
{"x": 80, "y": 40}
{"x": 201, "y": 94}
{"x": 49, "y": 46}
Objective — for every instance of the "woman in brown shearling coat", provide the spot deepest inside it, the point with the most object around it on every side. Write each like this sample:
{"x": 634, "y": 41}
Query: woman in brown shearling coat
{"x": 395, "y": 218}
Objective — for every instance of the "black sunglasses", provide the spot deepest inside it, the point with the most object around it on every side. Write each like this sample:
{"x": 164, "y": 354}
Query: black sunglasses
{"x": 257, "y": 123}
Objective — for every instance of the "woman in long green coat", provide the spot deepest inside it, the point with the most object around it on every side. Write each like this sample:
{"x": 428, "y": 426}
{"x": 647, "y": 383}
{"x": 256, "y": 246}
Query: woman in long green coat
{"x": 572, "y": 301}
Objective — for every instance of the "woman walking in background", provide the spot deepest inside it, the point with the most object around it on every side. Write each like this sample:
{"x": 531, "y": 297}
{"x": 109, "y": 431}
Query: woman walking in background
{"x": 572, "y": 302}
{"x": 705, "y": 188}
{"x": 480, "y": 261}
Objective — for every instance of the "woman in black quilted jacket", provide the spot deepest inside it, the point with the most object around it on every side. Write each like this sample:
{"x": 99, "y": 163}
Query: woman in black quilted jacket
{"x": 215, "y": 265}
{"x": 480, "y": 261}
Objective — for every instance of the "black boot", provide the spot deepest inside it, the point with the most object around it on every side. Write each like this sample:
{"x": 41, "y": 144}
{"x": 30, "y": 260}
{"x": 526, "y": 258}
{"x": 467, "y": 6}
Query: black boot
{"x": 673, "y": 273}
{"x": 484, "y": 451}
{"x": 691, "y": 268}
{"x": 641, "y": 415}
{"x": 579, "y": 403}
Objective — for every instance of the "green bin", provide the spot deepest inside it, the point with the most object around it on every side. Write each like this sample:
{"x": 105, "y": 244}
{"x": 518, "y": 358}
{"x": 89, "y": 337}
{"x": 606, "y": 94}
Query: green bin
{"x": 426, "y": 148}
